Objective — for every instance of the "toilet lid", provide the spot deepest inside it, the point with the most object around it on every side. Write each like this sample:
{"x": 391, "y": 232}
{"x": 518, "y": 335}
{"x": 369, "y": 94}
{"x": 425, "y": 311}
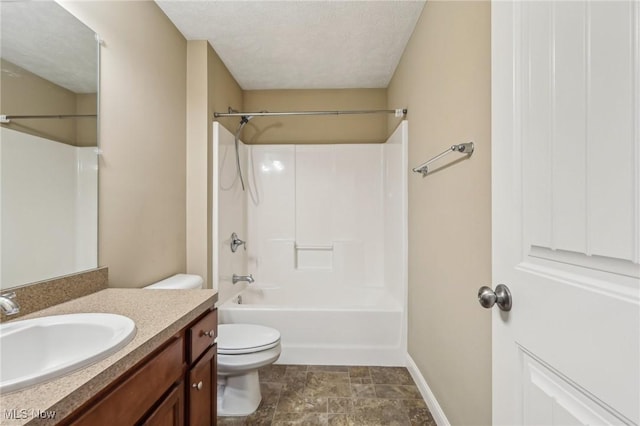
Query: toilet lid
{"x": 246, "y": 338}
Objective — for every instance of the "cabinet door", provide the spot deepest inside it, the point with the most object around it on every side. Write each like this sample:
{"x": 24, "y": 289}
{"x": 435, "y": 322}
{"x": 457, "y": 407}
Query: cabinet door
{"x": 171, "y": 411}
{"x": 127, "y": 404}
{"x": 202, "y": 390}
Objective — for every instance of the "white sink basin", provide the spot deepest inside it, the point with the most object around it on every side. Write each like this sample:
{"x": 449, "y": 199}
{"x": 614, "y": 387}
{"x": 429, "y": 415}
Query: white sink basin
{"x": 36, "y": 350}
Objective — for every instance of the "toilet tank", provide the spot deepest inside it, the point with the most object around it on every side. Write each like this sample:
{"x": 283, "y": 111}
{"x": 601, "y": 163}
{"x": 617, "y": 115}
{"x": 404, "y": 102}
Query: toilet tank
{"x": 178, "y": 282}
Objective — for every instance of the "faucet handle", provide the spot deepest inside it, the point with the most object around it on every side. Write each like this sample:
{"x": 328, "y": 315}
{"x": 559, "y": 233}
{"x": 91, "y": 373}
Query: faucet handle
{"x": 8, "y": 304}
{"x": 237, "y": 242}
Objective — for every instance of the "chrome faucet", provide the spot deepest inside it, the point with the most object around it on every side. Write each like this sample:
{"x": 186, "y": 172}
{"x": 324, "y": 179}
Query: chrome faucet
{"x": 247, "y": 278}
{"x": 8, "y": 305}
{"x": 237, "y": 242}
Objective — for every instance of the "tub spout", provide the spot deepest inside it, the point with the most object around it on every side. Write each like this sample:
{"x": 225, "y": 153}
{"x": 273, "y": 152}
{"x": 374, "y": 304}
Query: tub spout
{"x": 247, "y": 278}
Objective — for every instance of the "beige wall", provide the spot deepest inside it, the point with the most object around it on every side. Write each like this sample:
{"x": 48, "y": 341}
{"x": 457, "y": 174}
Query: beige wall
{"x": 24, "y": 93}
{"x": 198, "y": 148}
{"x": 444, "y": 80}
{"x": 224, "y": 91}
{"x": 142, "y": 202}
{"x": 86, "y": 128}
{"x": 210, "y": 88}
{"x": 316, "y": 129}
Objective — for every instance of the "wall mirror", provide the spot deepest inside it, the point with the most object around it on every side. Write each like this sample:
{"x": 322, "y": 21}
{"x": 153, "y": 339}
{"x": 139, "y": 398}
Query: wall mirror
{"x": 49, "y": 144}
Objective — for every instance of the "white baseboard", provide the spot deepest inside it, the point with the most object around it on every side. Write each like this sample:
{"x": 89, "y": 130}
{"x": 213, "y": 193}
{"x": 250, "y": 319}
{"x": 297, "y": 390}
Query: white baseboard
{"x": 427, "y": 395}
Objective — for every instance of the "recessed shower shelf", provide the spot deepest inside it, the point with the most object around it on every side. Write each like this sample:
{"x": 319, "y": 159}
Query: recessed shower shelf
{"x": 314, "y": 256}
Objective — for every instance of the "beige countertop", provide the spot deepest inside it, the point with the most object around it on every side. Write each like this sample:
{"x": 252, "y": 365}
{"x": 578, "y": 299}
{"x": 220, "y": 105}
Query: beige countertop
{"x": 158, "y": 315}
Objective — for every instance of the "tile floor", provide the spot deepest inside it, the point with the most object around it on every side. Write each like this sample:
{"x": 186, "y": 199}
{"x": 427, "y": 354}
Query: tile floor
{"x": 328, "y": 395}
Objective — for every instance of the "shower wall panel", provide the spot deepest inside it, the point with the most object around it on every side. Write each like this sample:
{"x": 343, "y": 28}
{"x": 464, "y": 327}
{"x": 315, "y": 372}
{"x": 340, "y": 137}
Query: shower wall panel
{"x": 320, "y": 219}
{"x": 229, "y": 213}
{"x": 395, "y": 211}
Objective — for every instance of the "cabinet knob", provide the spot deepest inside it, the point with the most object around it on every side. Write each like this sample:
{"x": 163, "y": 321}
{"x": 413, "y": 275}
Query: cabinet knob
{"x": 209, "y": 333}
{"x": 197, "y": 386}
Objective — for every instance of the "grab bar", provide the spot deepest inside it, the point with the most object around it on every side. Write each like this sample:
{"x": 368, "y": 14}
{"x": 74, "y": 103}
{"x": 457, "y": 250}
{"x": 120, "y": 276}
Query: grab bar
{"x": 465, "y": 148}
{"x": 313, "y": 247}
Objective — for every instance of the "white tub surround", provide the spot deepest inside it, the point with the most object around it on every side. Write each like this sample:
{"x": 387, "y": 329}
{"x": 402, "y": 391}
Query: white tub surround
{"x": 330, "y": 214}
{"x": 230, "y": 214}
{"x": 326, "y": 244}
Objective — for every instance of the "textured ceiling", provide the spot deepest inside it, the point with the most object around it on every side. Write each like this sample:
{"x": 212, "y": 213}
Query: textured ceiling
{"x": 45, "y": 39}
{"x": 301, "y": 44}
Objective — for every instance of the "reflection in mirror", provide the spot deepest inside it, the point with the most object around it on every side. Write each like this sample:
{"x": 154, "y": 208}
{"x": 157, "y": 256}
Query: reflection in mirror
{"x": 48, "y": 152}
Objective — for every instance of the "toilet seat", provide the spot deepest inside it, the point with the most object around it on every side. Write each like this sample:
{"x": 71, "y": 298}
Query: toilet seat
{"x": 238, "y": 339}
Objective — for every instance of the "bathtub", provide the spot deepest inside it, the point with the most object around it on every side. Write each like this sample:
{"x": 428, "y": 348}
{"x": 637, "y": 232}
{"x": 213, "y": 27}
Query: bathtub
{"x": 320, "y": 325}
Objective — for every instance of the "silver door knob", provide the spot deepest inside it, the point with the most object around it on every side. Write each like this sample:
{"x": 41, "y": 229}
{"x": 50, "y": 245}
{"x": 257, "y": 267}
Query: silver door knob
{"x": 501, "y": 297}
{"x": 197, "y": 386}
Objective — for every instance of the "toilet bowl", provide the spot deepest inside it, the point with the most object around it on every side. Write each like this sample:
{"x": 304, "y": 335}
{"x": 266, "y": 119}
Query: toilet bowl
{"x": 242, "y": 350}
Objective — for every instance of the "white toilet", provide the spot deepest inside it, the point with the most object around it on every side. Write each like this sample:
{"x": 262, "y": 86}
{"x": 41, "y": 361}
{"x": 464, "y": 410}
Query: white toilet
{"x": 242, "y": 350}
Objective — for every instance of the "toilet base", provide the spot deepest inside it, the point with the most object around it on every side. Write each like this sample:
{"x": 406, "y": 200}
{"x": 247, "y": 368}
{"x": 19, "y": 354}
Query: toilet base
{"x": 238, "y": 395}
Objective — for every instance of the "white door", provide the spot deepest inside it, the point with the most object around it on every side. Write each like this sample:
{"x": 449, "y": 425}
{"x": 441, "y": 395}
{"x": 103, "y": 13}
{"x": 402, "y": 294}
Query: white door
{"x": 566, "y": 212}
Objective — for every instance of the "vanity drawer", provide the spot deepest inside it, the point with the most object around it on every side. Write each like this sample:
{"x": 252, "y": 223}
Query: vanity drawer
{"x": 138, "y": 393}
{"x": 201, "y": 335}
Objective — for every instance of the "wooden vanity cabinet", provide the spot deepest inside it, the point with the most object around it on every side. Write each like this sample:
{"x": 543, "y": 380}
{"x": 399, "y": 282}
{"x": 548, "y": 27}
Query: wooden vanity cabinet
{"x": 202, "y": 375}
{"x": 173, "y": 386}
{"x": 170, "y": 412}
{"x": 202, "y": 391}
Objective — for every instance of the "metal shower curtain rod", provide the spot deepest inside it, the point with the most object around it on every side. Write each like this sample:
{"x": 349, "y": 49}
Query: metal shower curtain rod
{"x": 8, "y": 118}
{"x": 398, "y": 112}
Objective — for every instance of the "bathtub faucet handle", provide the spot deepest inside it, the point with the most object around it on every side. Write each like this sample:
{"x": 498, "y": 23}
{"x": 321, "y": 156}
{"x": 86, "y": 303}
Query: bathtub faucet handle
{"x": 237, "y": 242}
